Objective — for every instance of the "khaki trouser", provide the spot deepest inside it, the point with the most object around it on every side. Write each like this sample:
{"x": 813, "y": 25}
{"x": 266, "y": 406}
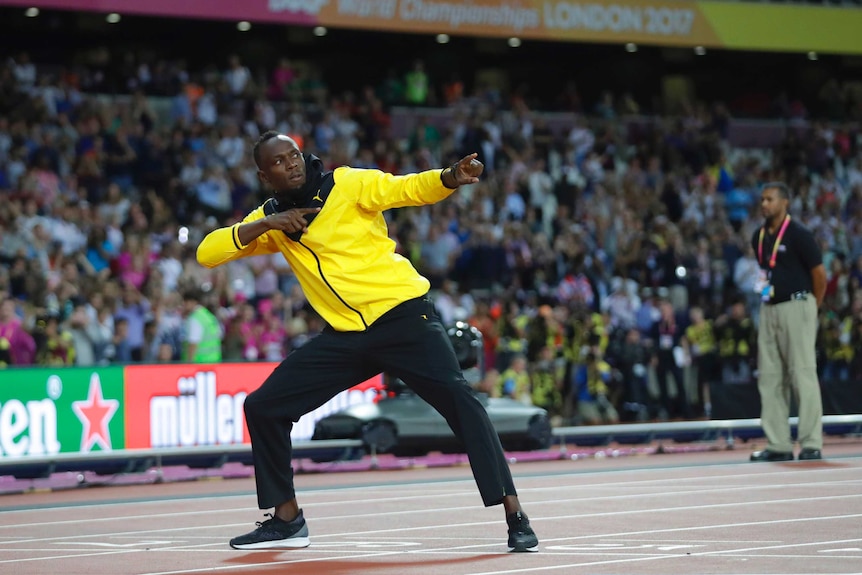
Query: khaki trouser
{"x": 787, "y": 363}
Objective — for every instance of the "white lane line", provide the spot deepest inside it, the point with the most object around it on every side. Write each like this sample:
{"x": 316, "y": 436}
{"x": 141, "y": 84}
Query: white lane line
{"x": 556, "y": 502}
{"x": 661, "y": 541}
{"x": 657, "y": 557}
{"x": 784, "y": 546}
{"x": 593, "y": 536}
{"x": 663, "y": 509}
{"x": 466, "y": 553}
{"x": 71, "y": 556}
{"x": 475, "y": 547}
{"x": 616, "y": 513}
{"x": 765, "y": 472}
{"x": 486, "y": 523}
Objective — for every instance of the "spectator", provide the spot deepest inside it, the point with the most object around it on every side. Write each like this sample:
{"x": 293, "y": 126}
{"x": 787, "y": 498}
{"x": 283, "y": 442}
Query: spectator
{"x": 416, "y": 85}
{"x": 591, "y": 389}
{"x": 55, "y": 346}
{"x": 700, "y": 345}
{"x": 667, "y": 338}
{"x": 515, "y": 381}
{"x": 123, "y": 350}
{"x": 202, "y": 333}
{"x": 13, "y": 337}
{"x": 736, "y": 340}
{"x": 84, "y": 335}
{"x": 237, "y": 77}
{"x": 631, "y": 358}
{"x": 129, "y": 338}
{"x": 546, "y": 381}
{"x": 744, "y": 275}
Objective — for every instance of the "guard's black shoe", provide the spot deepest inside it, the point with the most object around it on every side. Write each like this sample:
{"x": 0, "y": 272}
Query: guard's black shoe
{"x": 522, "y": 538}
{"x": 809, "y": 453}
{"x": 767, "y": 455}
{"x": 275, "y": 533}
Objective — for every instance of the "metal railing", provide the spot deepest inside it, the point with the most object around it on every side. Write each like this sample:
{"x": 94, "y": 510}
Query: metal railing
{"x": 214, "y": 456}
{"x": 140, "y": 460}
{"x": 728, "y": 429}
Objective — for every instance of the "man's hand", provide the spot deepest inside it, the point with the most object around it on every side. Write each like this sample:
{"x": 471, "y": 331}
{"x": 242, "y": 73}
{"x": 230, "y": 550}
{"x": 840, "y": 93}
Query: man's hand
{"x": 290, "y": 221}
{"x": 465, "y": 171}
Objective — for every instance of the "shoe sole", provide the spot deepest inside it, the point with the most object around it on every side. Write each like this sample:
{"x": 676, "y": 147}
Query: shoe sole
{"x": 533, "y": 549}
{"x": 291, "y": 543}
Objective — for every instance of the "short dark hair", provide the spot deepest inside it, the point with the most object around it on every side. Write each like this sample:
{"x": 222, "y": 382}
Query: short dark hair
{"x": 265, "y": 137}
{"x": 193, "y": 293}
{"x": 783, "y": 189}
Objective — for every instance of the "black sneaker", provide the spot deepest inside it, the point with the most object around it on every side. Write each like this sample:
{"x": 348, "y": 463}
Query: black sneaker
{"x": 522, "y": 538}
{"x": 275, "y": 533}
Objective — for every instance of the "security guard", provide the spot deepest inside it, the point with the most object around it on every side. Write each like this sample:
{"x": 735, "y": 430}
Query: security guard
{"x": 792, "y": 284}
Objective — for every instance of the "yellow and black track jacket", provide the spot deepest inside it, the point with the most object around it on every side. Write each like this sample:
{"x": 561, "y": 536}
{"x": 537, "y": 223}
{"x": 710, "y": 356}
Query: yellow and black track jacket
{"x": 346, "y": 262}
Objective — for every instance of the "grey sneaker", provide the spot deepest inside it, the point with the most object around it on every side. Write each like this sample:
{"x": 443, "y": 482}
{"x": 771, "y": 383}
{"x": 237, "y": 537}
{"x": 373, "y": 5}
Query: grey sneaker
{"x": 522, "y": 538}
{"x": 275, "y": 533}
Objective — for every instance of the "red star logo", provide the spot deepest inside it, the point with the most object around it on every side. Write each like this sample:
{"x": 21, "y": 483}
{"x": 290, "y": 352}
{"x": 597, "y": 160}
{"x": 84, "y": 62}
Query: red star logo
{"x": 95, "y": 413}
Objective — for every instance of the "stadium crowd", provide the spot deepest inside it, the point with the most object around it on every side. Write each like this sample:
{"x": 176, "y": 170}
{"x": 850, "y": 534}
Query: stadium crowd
{"x": 605, "y": 263}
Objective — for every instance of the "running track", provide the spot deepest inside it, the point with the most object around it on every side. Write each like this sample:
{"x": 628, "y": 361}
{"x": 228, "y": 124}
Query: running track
{"x": 706, "y": 512}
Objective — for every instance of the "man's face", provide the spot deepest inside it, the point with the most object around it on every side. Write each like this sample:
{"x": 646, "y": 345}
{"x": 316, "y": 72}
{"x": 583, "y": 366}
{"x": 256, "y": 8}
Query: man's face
{"x": 189, "y": 306}
{"x": 282, "y": 166}
{"x": 771, "y": 203}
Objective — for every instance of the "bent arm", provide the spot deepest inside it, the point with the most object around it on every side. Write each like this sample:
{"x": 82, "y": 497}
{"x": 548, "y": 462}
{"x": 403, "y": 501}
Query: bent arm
{"x": 237, "y": 241}
{"x": 250, "y": 231}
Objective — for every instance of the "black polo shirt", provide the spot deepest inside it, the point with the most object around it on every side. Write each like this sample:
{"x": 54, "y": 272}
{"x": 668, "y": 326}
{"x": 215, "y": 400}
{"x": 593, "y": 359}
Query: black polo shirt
{"x": 798, "y": 254}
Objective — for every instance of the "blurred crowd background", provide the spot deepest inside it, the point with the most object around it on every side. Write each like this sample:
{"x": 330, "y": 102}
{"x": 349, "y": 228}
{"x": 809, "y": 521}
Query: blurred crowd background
{"x": 605, "y": 256}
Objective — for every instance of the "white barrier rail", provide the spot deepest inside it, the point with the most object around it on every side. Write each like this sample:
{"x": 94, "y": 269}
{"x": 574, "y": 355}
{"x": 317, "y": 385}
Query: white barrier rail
{"x": 671, "y": 429}
{"x": 213, "y": 456}
{"x": 136, "y": 460}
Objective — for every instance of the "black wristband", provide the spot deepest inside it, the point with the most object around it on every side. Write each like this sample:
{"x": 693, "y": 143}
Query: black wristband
{"x": 452, "y": 169}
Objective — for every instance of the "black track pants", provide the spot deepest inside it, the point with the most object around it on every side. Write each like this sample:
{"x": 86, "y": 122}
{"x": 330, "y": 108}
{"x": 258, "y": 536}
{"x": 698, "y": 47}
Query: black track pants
{"x": 408, "y": 342}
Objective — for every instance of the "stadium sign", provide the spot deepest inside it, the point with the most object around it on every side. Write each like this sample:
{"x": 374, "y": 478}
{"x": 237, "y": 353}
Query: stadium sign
{"x": 68, "y": 410}
{"x": 196, "y": 405}
{"x": 708, "y": 23}
{"x": 61, "y": 410}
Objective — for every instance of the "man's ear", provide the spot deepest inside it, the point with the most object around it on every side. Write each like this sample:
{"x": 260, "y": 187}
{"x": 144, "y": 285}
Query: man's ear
{"x": 262, "y": 178}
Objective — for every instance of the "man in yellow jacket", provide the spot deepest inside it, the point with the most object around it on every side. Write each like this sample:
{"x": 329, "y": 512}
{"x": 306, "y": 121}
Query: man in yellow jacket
{"x": 330, "y": 228}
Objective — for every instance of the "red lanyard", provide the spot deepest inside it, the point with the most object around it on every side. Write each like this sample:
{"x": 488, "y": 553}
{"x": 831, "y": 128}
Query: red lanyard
{"x": 777, "y": 243}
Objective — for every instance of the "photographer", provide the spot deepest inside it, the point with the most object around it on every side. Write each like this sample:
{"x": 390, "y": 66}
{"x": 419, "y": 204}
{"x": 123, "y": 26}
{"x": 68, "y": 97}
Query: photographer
{"x": 631, "y": 358}
{"x": 591, "y": 389}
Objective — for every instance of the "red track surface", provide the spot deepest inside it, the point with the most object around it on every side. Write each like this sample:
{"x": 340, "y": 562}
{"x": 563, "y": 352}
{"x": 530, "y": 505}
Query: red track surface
{"x": 709, "y": 512}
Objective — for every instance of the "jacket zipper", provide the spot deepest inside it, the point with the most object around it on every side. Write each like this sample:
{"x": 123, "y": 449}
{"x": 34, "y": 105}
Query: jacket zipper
{"x": 335, "y": 293}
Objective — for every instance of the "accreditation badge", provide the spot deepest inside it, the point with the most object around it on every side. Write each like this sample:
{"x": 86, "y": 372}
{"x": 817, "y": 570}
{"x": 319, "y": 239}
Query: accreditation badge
{"x": 761, "y": 281}
{"x": 763, "y": 286}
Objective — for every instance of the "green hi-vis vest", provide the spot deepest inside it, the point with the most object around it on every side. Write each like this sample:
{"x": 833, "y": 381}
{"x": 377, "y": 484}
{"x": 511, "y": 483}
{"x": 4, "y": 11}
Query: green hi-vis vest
{"x": 209, "y": 348}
